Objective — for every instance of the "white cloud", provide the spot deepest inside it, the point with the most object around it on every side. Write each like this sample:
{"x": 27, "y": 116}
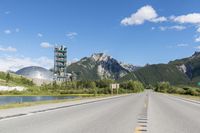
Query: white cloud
{"x": 153, "y": 28}
{"x": 145, "y": 13}
{"x": 182, "y": 45}
{"x": 16, "y": 63}
{"x": 197, "y": 47}
{"x": 178, "y": 27}
{"x": 198, "y": 29}
{"x": 162, "y": 28}
{"x": 193, "y": 18}
{"x": 46, "y": 45}
{"x": 197, "y": 39}
{"x": 159, "y": 19}
{"x": 175, "y": 27}
{"x": 40, "y": 35}
{"x": 71, "y": 35}
{"x": 7, "y": 31}
{"x": 8, "y": 49}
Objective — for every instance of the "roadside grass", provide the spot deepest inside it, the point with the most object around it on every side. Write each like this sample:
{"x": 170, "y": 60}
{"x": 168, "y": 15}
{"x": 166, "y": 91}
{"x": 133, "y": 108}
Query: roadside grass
{"x": 190, "y": 97}
{"x": 28, "y": 104}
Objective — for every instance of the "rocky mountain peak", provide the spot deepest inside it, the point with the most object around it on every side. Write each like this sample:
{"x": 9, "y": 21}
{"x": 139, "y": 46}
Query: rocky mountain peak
{"x": 196, "y": 54}
{"x": 100, "y": 57}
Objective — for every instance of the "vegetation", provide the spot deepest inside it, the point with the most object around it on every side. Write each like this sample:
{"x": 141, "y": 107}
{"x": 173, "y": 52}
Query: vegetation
{"x": 165, "y": 87}
{"x": 96, "y": 87}
{"x": 151, "y": 74}
{"x": 134, "y": 86}
{"x": 14, "y": 80}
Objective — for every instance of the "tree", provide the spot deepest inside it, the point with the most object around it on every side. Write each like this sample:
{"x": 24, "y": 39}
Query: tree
{"x": 135, "y": 86}
{"x": 105, "y": 83}
{"x": 163, "y": 87}
{"x": 8, "y": 77}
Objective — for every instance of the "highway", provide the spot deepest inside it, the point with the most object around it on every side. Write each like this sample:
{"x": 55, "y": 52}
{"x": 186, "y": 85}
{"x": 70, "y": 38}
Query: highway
{"x": 147, "y": 112}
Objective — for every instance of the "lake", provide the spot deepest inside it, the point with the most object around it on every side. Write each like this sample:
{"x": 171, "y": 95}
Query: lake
{"x": 20, "y": 99}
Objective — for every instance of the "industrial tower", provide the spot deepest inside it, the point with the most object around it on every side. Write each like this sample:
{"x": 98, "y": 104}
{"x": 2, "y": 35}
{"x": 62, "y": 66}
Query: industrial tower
{"x": 60, "y": 63}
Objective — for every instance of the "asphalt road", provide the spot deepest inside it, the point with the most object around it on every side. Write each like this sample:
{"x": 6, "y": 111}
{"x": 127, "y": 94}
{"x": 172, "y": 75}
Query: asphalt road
{"x": 137, "y": 113}
{"x": 171, "y": 115}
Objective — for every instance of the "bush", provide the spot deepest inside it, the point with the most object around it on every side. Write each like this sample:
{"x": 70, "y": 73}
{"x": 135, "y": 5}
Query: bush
{"x": 134, "y": 86}
{"x": 163, "y": 87}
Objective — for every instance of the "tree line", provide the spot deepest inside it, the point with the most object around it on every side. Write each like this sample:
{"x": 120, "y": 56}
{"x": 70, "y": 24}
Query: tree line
{"x": 166, "y": 87}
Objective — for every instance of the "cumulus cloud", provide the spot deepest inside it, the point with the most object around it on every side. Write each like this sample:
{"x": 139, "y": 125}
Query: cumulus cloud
{"x": 197, "y": 39}
{"x": 198, "y": 29}
{"x": 198, "y": 47}
{"x": 8, "y": 49}
{"x": 71, "y": 35}
{"x": 182, "y": 45}
{"x": 46, "y": 45}
{"x": 40, "y": 35}
{"x": 193, "y": 18}
{"x": 7, "y": 31}
{"x": 175, "y": 27}
{"x": 159, "y": 19}
{"x": 16, "y": 63}
{"x": 145, "y": 13}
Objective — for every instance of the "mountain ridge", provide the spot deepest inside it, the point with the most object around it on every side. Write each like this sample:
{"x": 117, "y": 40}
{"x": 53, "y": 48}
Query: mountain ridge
{"x": 100, "y": 66}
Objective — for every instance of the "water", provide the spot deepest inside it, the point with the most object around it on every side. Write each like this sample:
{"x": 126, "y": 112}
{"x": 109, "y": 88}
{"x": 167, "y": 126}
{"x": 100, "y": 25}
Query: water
{"x": 20, "y": 99}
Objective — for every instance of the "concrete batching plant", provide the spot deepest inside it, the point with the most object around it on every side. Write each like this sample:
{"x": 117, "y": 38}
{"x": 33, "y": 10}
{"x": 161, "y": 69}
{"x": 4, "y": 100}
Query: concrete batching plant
{"x": 60, "y": 63}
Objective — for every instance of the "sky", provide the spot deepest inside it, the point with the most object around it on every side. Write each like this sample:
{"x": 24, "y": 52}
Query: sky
{"x": 132, "y": 31}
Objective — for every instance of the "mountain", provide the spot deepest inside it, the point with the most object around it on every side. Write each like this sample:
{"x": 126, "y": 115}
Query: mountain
{"x": 152, "y": 74}
{"x": 190, "y": 66}
{"x": 100, "y": 66}
{"x": 180, "y": 71}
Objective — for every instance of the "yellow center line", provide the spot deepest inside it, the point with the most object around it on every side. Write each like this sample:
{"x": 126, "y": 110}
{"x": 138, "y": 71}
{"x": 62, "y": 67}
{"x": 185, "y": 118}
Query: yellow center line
{"x": 137, "y": 129}
{"x": 145, "y": 105}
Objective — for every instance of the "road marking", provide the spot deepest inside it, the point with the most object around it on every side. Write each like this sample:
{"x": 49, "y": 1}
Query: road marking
{"x": 143, "y": 119}
{"x": 145, "y": 105}
{"x": 137, "y": 129}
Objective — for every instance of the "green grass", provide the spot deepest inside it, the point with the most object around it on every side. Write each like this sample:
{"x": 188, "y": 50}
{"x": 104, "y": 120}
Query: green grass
{"x": 197, "y": 98}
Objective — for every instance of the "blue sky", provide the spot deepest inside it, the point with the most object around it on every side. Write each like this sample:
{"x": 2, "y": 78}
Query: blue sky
{"x": 132, "y": 31}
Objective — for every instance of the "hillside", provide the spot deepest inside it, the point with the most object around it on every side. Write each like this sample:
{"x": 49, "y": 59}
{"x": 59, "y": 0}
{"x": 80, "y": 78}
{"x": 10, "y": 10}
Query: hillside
{"x": 180, "y": 71}
{"x": 189, "y": 66}
{"x": 12, "y": 79}
{"x": 152, "y": 74}
{"x": 100, "y": 66}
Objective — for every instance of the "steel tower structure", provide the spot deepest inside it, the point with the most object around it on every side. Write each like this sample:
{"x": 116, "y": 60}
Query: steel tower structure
{"x": 60, "y": 63}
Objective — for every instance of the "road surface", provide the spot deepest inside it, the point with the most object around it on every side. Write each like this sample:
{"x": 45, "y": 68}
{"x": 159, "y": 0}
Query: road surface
{"x": 145, "y": 112}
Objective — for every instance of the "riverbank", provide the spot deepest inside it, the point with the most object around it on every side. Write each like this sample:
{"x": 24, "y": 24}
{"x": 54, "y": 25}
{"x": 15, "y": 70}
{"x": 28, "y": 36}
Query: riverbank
{"x": 27, "y": 104}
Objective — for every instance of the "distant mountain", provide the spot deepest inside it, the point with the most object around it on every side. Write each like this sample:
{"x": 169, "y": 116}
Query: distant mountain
{"x": 181, "y": 71}
{"x": 152, "y": 74}
{"x": 190, "y": 66}
{"x": 100, "y": 66}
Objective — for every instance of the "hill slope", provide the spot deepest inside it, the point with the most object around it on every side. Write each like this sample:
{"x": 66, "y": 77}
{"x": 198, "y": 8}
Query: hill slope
{"x": 181, "y": 71}
{"x": 100, "y": 66}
